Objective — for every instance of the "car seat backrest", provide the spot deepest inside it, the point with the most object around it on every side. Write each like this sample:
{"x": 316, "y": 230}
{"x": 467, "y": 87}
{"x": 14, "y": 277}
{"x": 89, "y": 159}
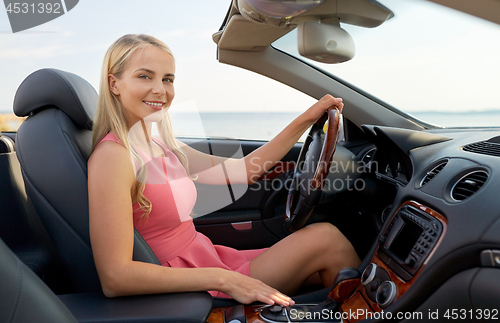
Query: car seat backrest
{"x": 53, "y": 145}
{"x": 24, "y": 297}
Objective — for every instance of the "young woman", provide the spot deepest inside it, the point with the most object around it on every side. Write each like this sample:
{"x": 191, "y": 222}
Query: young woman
{"x": 147, "y": 183}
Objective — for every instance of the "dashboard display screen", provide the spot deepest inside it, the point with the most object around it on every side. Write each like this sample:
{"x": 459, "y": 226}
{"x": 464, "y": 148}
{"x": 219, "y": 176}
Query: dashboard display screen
{"x": 405, "y": 240}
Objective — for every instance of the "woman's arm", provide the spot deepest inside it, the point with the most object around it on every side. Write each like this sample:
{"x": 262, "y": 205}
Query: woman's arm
{"x": 110, "y": 181}
{"x": 251, "y": 167}
{"x": 261, "y": 160}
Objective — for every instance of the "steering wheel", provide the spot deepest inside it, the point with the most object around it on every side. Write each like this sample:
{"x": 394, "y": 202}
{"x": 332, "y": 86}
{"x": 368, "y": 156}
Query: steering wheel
{"x": 311, "y": 170}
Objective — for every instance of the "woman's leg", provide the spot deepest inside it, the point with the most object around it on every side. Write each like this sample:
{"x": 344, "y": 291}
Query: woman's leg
{"x": 318, "y": 248}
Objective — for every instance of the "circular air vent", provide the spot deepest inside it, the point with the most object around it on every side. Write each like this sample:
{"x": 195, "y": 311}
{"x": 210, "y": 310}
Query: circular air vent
{"x": 368, "y": 156}
{"x": 468, "y": 185}
{"x": 433, "y": 172}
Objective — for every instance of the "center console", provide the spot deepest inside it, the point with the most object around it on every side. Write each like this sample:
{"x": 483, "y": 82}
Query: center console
{"x": 409, "y": 240}
{"x": 403, "y": 250}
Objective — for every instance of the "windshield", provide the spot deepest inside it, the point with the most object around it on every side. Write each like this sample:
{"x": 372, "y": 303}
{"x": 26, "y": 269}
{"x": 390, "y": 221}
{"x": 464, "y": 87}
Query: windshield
{"x": 435, "y": 63}
{"x": 212, "y": 99}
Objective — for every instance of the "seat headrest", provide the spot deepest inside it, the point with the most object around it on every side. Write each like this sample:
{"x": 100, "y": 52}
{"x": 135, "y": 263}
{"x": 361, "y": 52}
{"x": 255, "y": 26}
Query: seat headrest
{"x": 51, "y": 87}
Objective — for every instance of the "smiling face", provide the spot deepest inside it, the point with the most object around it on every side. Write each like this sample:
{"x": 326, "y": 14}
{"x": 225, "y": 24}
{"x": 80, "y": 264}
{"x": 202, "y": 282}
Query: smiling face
{"x": 146, "y": 84}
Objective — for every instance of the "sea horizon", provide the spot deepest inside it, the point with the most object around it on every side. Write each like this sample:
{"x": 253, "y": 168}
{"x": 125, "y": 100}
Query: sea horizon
{"x": 265, "y": 125}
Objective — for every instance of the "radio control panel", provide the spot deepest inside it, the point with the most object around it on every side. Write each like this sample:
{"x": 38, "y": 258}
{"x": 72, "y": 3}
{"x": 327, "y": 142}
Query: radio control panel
{"x": 409, "y": 239}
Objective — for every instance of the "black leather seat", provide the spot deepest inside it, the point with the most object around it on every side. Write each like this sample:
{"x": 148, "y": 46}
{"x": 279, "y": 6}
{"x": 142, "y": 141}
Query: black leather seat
{"x": 24, "y": 297}
{"x": 53, "y": 145}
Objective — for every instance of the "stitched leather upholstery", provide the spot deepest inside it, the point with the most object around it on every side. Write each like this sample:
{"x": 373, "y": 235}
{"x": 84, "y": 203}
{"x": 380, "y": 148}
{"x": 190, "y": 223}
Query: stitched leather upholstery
{"x": 24, "y": 297}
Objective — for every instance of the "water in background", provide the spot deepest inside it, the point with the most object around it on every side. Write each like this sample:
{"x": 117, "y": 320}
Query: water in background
{"x": 489, "y": 118}
{"x": 264, "y": 126}
{"x": 240, "y": 125}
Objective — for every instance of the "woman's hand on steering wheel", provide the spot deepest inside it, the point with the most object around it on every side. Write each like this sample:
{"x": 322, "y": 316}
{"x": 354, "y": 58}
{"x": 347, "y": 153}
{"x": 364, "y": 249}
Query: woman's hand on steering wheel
{"x": 318, "y": 109}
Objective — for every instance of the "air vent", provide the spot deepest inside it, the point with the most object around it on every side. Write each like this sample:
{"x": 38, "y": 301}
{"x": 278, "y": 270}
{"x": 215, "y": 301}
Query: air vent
{"x": 368, "y": 156}
{"x": 483, "y": 147}
{"x": 433, "y": 172}
{"x": 468, "y": 185}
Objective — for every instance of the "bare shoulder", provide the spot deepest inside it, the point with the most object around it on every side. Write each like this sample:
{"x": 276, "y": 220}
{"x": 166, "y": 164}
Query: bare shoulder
{"x": 110, "y": 160}
{"x": 181, "y": 145}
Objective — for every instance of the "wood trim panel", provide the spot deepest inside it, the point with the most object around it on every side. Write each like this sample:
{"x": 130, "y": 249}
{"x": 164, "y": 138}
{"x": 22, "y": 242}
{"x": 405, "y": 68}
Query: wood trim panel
{"x": 344, "y": 289}
{"x": 355, "y": 302}
{"x": 402, "y": 285}
{"x": 216, "y": 316}
{"x": 251, "y": 313}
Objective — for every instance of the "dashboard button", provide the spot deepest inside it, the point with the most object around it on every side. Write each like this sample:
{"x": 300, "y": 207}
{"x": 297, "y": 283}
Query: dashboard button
{"x": 276, "y": 309}
{"x": 410, "y": 262}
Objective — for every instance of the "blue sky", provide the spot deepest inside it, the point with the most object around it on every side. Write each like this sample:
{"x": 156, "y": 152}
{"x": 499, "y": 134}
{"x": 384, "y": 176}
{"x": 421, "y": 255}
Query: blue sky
{"x": 457, "y": 69}
{"x": 77, "y": 41}
{"x": 426, "y": 58}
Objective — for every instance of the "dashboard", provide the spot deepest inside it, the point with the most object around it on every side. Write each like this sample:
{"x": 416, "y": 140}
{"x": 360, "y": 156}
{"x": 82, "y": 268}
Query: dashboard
{"x": 444, "y": 220}
{"x": 438, "y": 247}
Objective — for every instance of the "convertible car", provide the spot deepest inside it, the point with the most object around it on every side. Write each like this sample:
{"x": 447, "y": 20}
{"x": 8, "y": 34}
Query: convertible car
{"x": 410, "y": 184}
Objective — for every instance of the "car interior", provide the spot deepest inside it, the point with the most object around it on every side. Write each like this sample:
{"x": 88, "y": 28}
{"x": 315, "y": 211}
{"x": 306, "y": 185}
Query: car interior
{"x": 417, "y": 201}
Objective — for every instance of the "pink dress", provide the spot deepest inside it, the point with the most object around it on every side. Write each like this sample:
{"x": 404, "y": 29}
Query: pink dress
{"x": 169, "y": 228}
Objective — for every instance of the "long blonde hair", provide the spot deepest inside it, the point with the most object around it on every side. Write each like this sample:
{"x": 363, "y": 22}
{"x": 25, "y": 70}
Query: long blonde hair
{"x": 110, "y": 116}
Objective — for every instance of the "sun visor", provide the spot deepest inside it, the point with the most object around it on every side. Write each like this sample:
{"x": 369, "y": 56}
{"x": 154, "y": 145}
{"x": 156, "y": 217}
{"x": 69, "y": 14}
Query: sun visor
{"x": 242, "y": 34}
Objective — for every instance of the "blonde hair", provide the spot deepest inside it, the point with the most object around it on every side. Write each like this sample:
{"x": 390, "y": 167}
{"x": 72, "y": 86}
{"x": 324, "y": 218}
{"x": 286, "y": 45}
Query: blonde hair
{"x": 110, "y": 116}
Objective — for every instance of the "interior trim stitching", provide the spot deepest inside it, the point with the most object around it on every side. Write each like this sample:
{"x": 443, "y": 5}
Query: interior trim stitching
{"x": 27, "y": 178}
{"x": 75, "y": 151}
{"x": 469, "y": 288}
{"x": 43, "y": 199}
{"x": 19, "y": 290}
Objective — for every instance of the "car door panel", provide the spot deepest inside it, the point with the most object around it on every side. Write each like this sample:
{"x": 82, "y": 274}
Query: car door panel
{"x": 240, "y": 224}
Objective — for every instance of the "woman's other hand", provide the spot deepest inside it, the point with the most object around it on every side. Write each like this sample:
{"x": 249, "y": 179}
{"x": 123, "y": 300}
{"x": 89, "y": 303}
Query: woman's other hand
{"x": 246, "y": 290}
{"x": 319, "y": 108}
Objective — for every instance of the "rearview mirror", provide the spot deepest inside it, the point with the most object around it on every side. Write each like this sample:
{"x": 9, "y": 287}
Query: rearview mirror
{"x": 324, "y": 43}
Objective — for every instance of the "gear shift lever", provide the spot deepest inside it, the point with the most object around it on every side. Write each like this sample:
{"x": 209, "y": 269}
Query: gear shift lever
{"x": 344, "y": 285}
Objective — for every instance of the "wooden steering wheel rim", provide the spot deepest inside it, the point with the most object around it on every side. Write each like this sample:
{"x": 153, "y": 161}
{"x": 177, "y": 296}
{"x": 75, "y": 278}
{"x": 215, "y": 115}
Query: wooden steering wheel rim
{"x": 297, "y": 215}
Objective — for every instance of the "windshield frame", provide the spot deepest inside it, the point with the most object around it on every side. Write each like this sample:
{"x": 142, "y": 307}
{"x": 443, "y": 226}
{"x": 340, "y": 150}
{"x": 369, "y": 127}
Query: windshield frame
{"x": 362, "y": 92}
{"x": 445, "y": 107}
